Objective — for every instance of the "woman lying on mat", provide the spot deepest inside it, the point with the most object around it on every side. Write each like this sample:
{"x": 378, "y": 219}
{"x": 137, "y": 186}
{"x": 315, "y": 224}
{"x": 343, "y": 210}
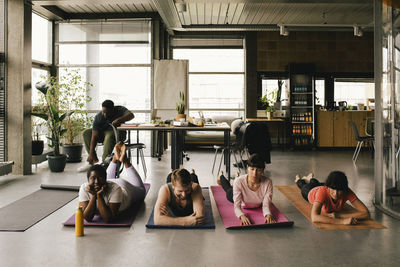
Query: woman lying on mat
{"x": 329, "y": 198}
{"x": 107, "y": 196}
{"x": 250, "y": 190}
{"x": 180, "y": 202}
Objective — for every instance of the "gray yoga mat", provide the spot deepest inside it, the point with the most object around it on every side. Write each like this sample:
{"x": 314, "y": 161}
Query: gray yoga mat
{"x": 25, "y": 212}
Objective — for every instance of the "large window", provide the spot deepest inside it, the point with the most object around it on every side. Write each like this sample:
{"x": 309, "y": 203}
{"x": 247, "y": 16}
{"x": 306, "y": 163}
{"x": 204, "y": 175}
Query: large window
{"x": 114, "y": 56}
{"x": 41, "y": 39}
{"x": 354, "y": 92}
{"x": 216, "y": 80}
{"x": 41, "y": 64}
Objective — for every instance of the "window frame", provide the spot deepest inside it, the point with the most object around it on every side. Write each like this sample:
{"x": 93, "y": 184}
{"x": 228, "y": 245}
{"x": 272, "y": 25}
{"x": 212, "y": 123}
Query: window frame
{"x": 142, "y": 65}
{"x": 203, "y": 47}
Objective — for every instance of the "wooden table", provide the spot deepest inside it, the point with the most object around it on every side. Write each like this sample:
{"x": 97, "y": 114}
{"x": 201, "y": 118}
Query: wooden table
{"x": 282, "y": 124}
{"x": 178, "y": 133}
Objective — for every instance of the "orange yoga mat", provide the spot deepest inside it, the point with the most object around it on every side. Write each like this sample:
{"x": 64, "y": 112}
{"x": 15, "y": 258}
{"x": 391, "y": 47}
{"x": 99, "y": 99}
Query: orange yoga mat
{"x": 293, "y": 194}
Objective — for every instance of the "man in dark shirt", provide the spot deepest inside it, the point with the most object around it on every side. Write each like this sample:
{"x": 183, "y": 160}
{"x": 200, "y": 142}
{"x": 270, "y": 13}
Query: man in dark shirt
{"x": 102, "y": 131}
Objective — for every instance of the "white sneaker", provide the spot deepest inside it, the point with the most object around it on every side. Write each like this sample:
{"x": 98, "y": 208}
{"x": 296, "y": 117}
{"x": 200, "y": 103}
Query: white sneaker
{"x": 85, "y": 167}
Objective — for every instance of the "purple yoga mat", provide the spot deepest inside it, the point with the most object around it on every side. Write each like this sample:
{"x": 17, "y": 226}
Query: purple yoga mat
{"x": 125, "y": 219}
{"x": 230, "y": 220}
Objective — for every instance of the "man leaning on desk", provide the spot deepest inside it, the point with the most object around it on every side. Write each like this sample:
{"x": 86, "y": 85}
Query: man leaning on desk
{"x": 102, "y": 131}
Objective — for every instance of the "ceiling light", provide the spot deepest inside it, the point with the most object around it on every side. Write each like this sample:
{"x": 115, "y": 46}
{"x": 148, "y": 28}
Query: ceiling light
{"x": 358, "y": 31}
{"x": 180, "y": 6}
{"x": 283, "y": 30}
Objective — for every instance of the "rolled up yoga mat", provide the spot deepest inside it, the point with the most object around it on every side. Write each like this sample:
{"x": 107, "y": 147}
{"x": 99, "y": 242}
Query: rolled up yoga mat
{"x": 293, "y": 194}
{"x": 125, "y": 219}
{"x": 61, "y": 187}
{"x": 226, "y": 210}
{"x": 209, "y": 219}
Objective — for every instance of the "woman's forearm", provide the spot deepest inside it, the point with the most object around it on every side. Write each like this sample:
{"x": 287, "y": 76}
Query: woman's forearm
{"x": 104, "y": 210}
{"x": 90, "y": 209}
{"x": 358, "y": 215}
{"x": 319, "y": 218}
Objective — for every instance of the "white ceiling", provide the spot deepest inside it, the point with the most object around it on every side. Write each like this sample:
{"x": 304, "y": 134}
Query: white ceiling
{"x": 223, "y": 15}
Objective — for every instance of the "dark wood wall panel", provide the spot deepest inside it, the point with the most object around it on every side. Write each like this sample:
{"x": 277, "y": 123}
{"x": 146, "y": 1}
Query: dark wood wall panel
{"x": 330, "y": 51}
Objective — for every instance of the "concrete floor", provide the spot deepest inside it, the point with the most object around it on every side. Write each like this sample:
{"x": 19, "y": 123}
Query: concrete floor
{"x": 48, "y": 243}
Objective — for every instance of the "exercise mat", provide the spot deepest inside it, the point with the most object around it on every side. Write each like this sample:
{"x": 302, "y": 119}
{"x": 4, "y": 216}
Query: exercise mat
{"x": 60, "y": 187}
{"x": 23, "y": 213}
{"x": 293, "y": 194}
{"x": 125, "y": 219}
{"x": 231, "y": 221}
{"x": 209, "y": 219}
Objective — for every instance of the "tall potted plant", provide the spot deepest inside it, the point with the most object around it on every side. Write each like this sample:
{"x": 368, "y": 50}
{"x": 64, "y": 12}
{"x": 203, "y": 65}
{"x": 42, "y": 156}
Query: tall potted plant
{"x": 74, "y": 97}
{"x": 180, "y": 107}
{"x": 53, "y": 117}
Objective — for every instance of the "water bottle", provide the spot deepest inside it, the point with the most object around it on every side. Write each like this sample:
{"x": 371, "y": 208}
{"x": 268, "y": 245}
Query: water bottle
{"x": 79, "y": 222}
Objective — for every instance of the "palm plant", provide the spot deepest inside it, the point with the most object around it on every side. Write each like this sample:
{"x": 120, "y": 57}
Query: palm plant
{"x": 51, "y": 113}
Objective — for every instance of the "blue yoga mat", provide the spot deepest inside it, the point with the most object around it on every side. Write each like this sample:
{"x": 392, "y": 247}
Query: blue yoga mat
{"x": 209, "y": 218}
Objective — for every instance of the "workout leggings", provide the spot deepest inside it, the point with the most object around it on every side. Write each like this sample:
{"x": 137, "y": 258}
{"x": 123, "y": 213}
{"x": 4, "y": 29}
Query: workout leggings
{"x": 306, "y": 188}
{"x": 133, "y": 183}
{"x": 226, "y": 185}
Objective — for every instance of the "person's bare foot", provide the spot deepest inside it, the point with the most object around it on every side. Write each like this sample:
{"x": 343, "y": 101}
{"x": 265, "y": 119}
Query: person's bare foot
{"x": 297, "y": 178}
{"x": 218, "y": 178}
{"x": 123, "y": 153}
{"x": 308, "y": 177}
{"x": 118, "y": 150}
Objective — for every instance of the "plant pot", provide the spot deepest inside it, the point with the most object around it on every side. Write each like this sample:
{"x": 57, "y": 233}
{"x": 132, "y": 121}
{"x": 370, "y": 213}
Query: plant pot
{"x": 37, "y": 147}
{"x": 180, "y": 116}
{"x": 57, "y": 163}
{"x": 73, "y": 152}
{"x": 268, "y": 113}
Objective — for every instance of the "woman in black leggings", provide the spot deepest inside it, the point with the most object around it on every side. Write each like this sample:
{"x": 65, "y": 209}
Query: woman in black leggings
{"x": 306, "y": 187}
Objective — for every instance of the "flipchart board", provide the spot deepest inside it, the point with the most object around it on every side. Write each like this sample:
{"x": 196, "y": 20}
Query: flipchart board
{"x": 170, "y": 78}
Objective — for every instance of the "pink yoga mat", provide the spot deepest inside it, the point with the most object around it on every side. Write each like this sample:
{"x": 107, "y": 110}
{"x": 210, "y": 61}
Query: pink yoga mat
{"x": 230, "y": 220}
{"x": 124, "y": 220}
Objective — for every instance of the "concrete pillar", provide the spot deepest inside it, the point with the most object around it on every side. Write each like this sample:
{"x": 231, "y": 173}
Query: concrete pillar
{"x": 251, "y": 75}
{"x": 19, "y": 68}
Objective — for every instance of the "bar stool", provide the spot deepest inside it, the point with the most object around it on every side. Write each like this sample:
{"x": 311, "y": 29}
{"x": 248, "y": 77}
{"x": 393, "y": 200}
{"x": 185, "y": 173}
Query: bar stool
{"x": 129, "y": 147}
{"x": 222, "y": 149}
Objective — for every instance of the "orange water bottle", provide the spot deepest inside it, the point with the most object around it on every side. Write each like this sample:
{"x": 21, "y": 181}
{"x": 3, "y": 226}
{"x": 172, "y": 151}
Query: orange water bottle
{"x": 79, "y": 222}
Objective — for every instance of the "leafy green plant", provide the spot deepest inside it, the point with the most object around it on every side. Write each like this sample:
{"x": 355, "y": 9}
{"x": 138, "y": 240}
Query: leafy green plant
{"x": 74, "y": 97}
{"x": 180, "y": 106}
{"x": 50, "y": 112}
{"x": 269, "y": 100}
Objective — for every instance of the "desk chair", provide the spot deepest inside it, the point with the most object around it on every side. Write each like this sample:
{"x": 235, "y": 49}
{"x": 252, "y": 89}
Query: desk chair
{"x": 138, "y": 146}
{"x": 360, "y": 141}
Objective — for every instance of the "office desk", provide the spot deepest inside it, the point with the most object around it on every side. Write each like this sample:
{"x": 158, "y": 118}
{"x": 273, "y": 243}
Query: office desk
{"x": 281, "y": 128}
{"x": 178, "y": 139}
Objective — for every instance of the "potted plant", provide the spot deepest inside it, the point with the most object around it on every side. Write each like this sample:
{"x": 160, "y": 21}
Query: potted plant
{"x": 37, "y": 144}
{"x": 268, "y": 101}
{"x": 74, "y": 97}
{"x": 180, "y": 107}
{"x": 51, "y": 114}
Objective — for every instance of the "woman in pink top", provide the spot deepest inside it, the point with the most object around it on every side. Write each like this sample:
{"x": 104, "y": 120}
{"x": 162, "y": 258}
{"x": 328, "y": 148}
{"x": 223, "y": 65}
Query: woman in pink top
{"x": 250, "y": 191}
{"x": 329, "y": 198}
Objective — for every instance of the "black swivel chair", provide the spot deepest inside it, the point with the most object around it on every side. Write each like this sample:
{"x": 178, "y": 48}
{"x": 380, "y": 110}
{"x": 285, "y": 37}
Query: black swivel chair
{"x": 360, "y": 141}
